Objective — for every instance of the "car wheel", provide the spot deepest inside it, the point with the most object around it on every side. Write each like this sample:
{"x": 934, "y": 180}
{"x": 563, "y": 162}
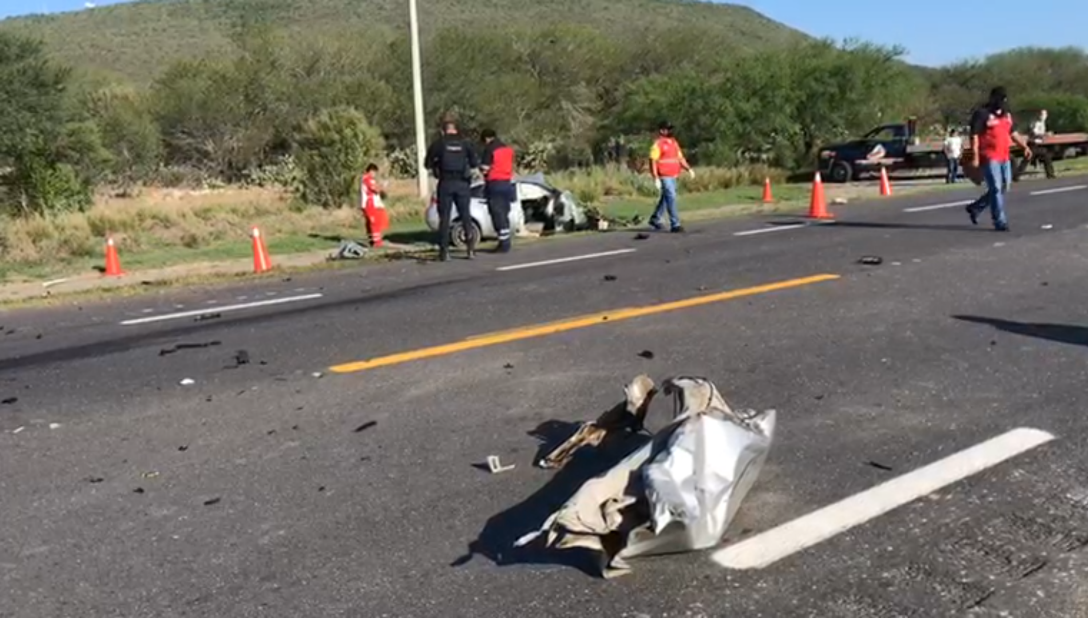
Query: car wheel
{"x": 841, "y": 172}
{"x": 458, "y": 236}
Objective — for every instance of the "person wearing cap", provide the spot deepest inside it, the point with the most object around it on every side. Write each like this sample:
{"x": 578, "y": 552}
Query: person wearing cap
{"x": 666, "y": 163}
{"x": 992, "y": 136}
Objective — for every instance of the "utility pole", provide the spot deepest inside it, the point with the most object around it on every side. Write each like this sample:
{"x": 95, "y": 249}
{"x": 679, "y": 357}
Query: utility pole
{"x": 417, "y": 92}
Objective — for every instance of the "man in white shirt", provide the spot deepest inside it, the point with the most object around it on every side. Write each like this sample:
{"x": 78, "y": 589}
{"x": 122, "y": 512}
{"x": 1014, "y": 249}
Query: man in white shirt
{"x": 953, "y": 150}
{"x": 1036, "y": 136}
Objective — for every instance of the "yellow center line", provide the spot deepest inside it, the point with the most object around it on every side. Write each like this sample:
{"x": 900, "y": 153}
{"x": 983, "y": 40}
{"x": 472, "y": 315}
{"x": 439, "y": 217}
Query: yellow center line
{"x": 540, "y": 330}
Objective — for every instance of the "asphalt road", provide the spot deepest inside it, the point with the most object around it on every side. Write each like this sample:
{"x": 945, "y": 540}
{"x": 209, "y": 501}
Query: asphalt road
{"x": 280, "y": 487}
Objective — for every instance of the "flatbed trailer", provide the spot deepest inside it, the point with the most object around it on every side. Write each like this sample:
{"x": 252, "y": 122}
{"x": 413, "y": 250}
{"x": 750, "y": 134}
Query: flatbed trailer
{"x": 896, "y": 147}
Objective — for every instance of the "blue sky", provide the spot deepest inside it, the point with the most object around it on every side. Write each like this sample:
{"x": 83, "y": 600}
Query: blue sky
{"x": 934, "y": 31}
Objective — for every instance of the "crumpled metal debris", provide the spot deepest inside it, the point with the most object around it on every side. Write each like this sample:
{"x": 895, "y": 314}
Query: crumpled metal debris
{"x": 349, "y": 250}
{"x": 678, "y": 492}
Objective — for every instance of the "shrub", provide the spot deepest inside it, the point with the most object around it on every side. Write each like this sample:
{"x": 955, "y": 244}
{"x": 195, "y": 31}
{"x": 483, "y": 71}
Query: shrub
{"x": 332, "y": 149}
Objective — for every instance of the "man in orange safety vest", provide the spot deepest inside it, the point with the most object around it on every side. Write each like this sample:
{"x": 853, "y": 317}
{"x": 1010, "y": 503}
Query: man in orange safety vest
{"x": 666, "y": 162}
{"x": 370, "y": 202}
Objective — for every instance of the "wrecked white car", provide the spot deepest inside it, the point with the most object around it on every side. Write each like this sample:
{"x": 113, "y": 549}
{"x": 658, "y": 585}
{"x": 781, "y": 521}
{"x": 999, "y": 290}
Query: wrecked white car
{"x": 538, "y": 205}
{"x": 676, "y": 492}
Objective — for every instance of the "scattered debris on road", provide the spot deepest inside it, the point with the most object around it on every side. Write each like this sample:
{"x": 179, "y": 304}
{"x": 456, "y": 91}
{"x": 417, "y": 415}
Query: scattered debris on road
{"x": 871, "y": 260}
{"x": 183, "y": 448}
{"x": 10, "y": 401}
{"x": 496, "y": 466}
{"x": 695, "y": 472}
{"x": 365, "y": 426}
{"x": 642, "y": 236}
{"x": 212, "y": 501}
{"x": 189, "y": 346}
{"x": 18, "y": 430}
{"x": 94, "y": 480}
{"x": 1048, "y": 227}
{"x": 878, "y": 466}
{"x": 349, "y": 250}
{"x": 610, "y": 277}
{"x": 207, "y": 316}
{"x": 54, "y": 425}
{"x": 187, "y": 382}
{"x": 138, "y": 490}
{"x": 647, "y": 354}
{"x": 625, "y": 418}
{"x": 318, "y": 374}
{"x": 241, "y": 357}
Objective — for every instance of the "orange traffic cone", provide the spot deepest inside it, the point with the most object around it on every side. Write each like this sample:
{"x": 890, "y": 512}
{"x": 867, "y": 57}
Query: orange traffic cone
{"x": 817, "y": 208}
{"x": 885, "y": 184}
{"x": 261, "y": 261}
{"x": 768, "y": 197}
{"x": 113, "y": 261}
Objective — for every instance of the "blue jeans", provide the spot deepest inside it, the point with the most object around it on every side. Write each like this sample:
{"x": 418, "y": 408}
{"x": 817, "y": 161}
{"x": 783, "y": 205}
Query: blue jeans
{"x": 667, "y": 202}
{"x": 953, "y": 170}
{"x": 998, "y": 175}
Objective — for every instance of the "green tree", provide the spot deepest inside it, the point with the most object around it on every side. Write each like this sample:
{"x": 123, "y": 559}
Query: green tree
{"x": 129, "y": 132}
{"x": 332, "y": 149}
{"x": 53, "y": 158}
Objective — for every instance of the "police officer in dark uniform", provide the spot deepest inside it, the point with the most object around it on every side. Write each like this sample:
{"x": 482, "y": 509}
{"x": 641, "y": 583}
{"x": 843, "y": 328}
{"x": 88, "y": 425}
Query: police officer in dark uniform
{"x": 452, "y": 159}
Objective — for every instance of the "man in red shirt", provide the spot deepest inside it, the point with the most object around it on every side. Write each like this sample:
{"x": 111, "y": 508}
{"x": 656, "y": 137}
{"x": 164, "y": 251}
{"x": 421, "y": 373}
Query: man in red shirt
{"x": 666, "y": 162}
{"x": 992, "y": 136}
{"x": 497, "y": 163}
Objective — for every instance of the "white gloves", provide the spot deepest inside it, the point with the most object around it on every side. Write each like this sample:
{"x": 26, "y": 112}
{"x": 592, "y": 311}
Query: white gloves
{"x": 657, "y": 183}
{"x": 691, "y": 173}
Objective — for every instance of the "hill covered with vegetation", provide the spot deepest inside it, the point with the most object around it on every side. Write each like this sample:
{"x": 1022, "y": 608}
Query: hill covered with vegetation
{"x": 139, "y": 40}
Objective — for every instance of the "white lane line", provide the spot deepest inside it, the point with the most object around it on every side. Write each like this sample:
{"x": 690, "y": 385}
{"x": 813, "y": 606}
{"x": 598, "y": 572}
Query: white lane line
{"x": 767, "y": 230}
{"x": 768, "y": 547}
{"x": 938, "y": 206}
{"x": 588, "y": 256}
{"x": 1059, "y": 190}
{"x": 198, "y": 312}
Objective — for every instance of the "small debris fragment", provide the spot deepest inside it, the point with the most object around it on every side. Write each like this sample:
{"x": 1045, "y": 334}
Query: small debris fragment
{"x": 18, "y": 430}
{"x": 10, "y": 401}
{"x": 39, "y": 336}
{"x": 993, "y": 343}
{"x": 703, "y": 288}
{"x": 320, "y": 489}
{"x": 1048, "y": 227}
{"x": 150, "y": 475}
{"x": 365, "y": 426}
{"x": 496, "y": 466}
{"x": 610, "y": 277}
{"x": 642, "y": 236}
{"x": 318, "y": 374}
{"x": 647, "y": 354}
{"x": 94, "y": 480}
{"x": 879, "y": 466}
{"x": 508, "y": 366}
{"x": 871, "y": 260}
{"x": 138, "y": 490}
{"x": 183, "y": 448}
{"x": 54, "y": 425}
{"x": 1045, "y": 283}
{"x": 207, "y": 316}
{"x": 189, "y": 346}
{"x": 840, "y": 200}
{"x": 212, "y": 501}
{"x": 241, "y": 357}
{"x": 187, "y": 382}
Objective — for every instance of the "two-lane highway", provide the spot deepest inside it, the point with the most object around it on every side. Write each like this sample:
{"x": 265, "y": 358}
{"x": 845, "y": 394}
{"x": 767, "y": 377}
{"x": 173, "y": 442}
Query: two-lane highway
{"x": 336, "y": 473}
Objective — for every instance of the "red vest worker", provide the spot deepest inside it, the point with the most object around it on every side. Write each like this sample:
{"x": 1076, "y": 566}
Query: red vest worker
{"x": 498, "y": 166}
{"x": 370, "y": 201}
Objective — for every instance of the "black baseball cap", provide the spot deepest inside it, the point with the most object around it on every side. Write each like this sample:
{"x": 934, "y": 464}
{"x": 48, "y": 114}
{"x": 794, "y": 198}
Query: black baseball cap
{"x": 664, "y": 124}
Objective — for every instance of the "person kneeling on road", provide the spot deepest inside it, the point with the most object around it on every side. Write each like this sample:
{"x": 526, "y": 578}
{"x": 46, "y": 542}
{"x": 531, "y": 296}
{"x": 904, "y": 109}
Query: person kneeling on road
{"x": 498, "y": 167}
{"x": 452, "y": 160}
